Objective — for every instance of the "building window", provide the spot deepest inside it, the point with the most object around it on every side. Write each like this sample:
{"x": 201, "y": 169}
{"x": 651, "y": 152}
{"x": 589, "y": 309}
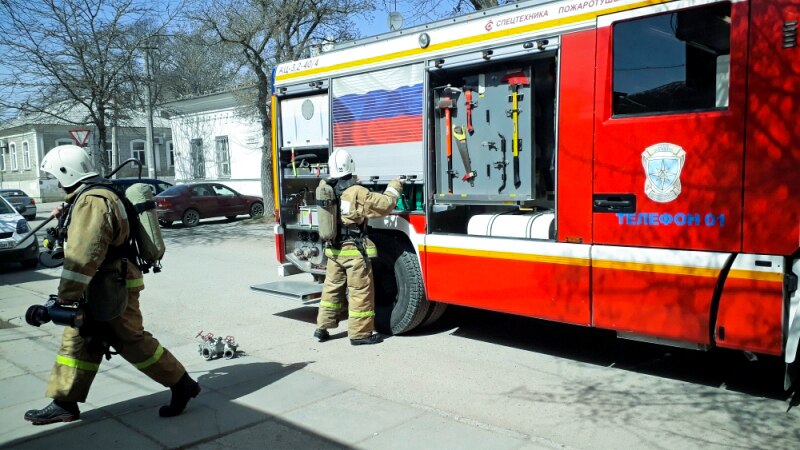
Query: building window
{"x": 137, "y": 151}
{"x": 197, "y": 159}
{"x": 675, "y": 62}
{"x": 170, "y": 154}
{"x": 109, "y": 156}
{"x": 2, "y": 159}
{"x": 223, "y": 157}
{"x": 64, "y": 142}
{"x": 13, "y": 149}
{"x": 26, "y": 156}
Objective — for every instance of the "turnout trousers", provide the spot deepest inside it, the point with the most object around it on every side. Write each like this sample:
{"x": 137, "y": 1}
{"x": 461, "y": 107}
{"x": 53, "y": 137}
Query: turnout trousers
{"x": 348, "y": 276}
{"x": 77, "y": 362}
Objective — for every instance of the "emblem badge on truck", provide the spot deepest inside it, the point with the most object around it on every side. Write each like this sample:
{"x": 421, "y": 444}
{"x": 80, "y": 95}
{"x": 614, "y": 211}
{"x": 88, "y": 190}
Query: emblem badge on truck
{"x": 662, "y": 167}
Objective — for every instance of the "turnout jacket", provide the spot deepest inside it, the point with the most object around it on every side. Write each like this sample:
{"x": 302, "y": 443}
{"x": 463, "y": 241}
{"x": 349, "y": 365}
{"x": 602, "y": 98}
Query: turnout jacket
{"x": 97, "y": 230}
{"x": 358, "y": 204}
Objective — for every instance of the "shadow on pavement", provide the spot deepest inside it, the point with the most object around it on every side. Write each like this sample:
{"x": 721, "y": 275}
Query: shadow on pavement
{"x": 716, "y": 367}
{"x": 306, "y": 314}
{"x": 13, "y": 273}
{"x": 215, "y": 415}
{"x": 214, "y": 231}
{"x": 643, "y": 404}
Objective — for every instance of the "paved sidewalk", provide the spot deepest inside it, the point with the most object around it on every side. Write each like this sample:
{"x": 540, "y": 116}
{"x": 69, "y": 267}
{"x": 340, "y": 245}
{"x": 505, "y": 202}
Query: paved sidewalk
{"x": 246, "y": 402}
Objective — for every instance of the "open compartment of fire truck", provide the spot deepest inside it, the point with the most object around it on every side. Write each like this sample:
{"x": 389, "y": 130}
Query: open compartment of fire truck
{"x": 304, "y": 145}
{"x": 493, "y": 136}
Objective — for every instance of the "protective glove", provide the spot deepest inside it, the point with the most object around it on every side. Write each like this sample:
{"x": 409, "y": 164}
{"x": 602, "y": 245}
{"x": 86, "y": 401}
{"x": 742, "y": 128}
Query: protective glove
{"x": 395, "y": 187}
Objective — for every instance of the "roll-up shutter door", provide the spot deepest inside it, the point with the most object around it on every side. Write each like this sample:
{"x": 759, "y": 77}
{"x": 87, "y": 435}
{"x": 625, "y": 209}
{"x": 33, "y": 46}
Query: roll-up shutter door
{"x": 377, "y": 117}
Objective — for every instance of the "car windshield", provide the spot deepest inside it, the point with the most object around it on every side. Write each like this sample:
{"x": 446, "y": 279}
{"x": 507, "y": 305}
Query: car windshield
{"x": 5, "y": 208}
{"x": 12, "y": 194}
{"x": 172, "y": 191}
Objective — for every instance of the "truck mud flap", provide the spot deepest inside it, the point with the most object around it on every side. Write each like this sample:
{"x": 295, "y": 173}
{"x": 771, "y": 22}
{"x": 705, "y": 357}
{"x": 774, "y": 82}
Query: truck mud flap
{"x": 306, "y": 291}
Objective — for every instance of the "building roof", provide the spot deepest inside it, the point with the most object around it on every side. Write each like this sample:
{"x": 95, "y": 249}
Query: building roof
{"x": 78, "y": 116}
{"x": 230, "y": 98}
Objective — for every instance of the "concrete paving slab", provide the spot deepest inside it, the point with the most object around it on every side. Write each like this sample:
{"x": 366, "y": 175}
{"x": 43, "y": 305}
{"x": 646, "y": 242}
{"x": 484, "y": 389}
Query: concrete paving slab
{"x": 21, "y": 389}
{"x": 292, "y": 391}
{"x": 21, "y": 330}
{"x": 34, "y": 355}
{"x": 541, "y": 446}
{"x": 8, "y": 369}
{"x": 131, "y": 402}
{"x": 352, "y": 416}
{"x": 274, "y": 435}
{"x": 220, "y": 374}
{"x": 99, "y": 434}
{"x": 15, "y": 431}
{"x": 431, "y": 431}
{"x": 120, "y": 384}
{"x": 172, "y": 341}
{"x": 208, "y": 416}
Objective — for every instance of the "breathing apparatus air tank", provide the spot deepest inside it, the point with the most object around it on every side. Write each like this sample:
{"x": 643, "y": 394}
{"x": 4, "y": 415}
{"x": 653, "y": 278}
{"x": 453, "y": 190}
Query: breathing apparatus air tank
{"x": 327, "y": 211}
{"x": 148, "y": 234}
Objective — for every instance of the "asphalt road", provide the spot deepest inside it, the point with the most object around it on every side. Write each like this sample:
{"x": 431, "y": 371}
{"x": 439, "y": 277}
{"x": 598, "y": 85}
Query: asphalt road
{"x": 554, "y": 385}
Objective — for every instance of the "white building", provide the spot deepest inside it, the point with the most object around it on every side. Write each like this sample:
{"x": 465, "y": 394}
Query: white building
{"x": 217, "y": 138}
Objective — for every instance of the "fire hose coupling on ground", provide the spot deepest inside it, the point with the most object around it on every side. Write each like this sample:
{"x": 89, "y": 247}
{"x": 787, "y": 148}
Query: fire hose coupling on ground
{"x": 216, "y": 347}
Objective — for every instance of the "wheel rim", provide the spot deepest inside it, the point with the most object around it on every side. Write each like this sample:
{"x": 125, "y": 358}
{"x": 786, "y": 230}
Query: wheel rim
{"x": 257, "y": 209}
{"x": 191, "y": 217}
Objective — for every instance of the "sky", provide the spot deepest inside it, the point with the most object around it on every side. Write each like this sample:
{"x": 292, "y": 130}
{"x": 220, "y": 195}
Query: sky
{"x": 377, "y": 22}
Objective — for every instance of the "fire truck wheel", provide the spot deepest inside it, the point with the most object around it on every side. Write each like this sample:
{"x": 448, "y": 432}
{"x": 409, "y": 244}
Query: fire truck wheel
{"x": 400, "y": 303}
{"x": 435, "y": 312}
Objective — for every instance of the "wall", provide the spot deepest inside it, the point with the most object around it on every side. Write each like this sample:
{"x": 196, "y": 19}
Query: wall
{"x": 244, "y": 143}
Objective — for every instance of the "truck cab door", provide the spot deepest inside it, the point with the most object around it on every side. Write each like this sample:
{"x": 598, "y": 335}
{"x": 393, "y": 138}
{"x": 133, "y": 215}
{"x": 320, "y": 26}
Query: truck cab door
{"x": 668, "y": 165}
{"x": 669, "y": 134}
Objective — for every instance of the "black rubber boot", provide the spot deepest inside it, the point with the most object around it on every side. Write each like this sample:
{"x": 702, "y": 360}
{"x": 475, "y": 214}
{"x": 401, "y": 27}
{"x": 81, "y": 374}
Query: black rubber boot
{"x": 55, "y": 412}
{"x": 369, "y": 340}
{"x": 322, "y": 334}
{"x": 183, "y": 391}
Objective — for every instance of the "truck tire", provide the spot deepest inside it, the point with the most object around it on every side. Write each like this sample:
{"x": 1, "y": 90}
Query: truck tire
{"x": 400, "y": 302}
{"x": 435, "y": 312}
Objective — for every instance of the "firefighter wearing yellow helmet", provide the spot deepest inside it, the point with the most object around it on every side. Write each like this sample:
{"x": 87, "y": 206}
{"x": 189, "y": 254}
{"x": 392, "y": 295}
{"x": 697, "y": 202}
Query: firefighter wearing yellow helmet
{"x": 98, "y": 269}
{"x": 348, "y": 268}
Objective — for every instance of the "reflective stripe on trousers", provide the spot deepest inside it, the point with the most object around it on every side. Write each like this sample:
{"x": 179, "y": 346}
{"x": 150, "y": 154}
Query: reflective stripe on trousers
{"x": 77, "y": 363}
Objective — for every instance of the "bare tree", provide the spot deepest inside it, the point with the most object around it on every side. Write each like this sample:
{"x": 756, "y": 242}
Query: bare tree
{"x": 69, "y": 59}
{"x": 194, "y": 63}
{"x": 267, "y": 32}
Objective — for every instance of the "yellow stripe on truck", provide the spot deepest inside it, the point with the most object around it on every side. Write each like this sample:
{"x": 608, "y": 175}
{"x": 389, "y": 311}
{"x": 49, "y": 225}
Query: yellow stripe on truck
{"x": 475, "y": 39}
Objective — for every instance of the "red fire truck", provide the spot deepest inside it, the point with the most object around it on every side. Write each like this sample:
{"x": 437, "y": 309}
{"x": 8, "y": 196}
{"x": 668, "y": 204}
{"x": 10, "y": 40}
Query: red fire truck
{"x": 630, "y": 165}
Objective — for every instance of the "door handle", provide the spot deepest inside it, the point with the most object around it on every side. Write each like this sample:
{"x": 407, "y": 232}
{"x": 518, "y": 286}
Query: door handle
{"x": 614, "y": 203}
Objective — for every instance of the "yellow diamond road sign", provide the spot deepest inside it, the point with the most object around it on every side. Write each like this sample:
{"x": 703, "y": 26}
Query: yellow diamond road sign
{"x": 80, "y": 136}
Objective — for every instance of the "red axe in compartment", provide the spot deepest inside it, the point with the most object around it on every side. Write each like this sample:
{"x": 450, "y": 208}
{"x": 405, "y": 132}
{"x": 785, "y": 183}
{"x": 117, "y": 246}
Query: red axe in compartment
{"x": 515, "y": 80}
{"x": 447, "y": 104}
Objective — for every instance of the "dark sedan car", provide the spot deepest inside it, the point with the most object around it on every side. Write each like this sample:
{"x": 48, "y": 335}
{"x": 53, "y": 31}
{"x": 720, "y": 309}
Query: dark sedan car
{"x": 21, "y": 202}
{"x": 191, "y": 202}
{"x": 157, "y": 186}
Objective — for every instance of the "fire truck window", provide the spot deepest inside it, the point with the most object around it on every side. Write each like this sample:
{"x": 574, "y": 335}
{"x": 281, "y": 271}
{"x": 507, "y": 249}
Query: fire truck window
{"x": 674, "y": 62}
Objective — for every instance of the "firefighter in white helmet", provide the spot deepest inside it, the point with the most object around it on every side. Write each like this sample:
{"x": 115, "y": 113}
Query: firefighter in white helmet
{"x": 98, "y": 269}
{"x": 348, "y": 256}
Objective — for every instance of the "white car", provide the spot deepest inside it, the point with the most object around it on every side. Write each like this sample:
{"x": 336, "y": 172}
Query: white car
{"x": 13, "y": 227}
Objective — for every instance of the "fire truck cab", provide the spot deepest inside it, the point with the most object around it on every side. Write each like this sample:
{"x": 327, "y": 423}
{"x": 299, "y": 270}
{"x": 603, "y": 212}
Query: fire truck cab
{"x": 623, "y": 164}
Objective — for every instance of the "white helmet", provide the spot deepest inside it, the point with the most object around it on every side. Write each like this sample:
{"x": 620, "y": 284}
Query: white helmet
{"x": 69, "y": 164}
{"x": 341, "y": 163}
